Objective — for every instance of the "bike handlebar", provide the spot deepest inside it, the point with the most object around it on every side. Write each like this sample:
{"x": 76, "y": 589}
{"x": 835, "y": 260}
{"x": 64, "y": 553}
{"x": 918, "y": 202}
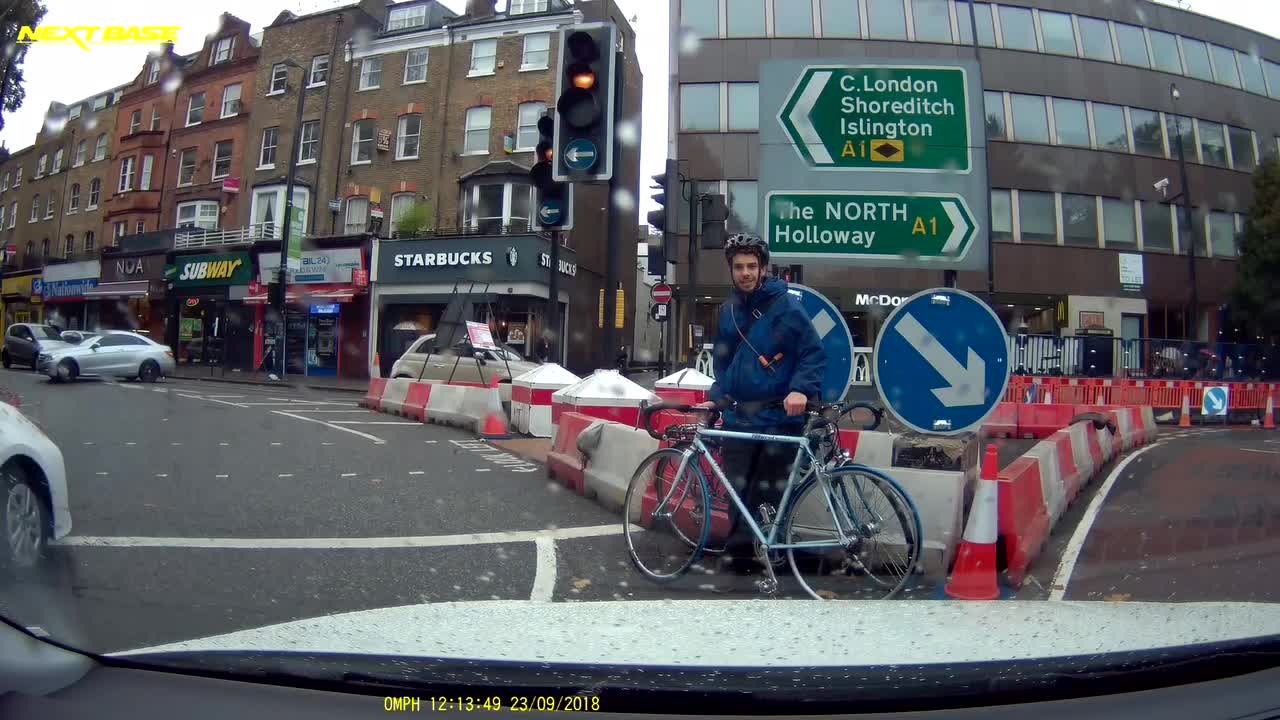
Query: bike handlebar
{"x": 713, "y": 413}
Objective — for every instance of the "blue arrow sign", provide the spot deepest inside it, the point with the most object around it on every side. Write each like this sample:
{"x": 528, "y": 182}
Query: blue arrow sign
{"x": 942, "y": 361}
{"x": 580, "y": 155}
{"x": 837, "y": 341}
{"x": 1216, "y": 400}
{"x": 551, "y": 212}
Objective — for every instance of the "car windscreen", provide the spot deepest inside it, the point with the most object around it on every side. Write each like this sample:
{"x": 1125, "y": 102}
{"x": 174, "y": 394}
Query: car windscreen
{"x": 44, "y": 332}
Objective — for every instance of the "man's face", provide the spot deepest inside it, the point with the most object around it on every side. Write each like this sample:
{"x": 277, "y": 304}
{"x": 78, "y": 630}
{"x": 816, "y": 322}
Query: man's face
{"x": 746, "y": 272}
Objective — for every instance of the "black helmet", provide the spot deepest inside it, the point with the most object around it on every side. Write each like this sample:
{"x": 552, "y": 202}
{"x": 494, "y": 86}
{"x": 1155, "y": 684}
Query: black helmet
{"x": 740, "y": 243}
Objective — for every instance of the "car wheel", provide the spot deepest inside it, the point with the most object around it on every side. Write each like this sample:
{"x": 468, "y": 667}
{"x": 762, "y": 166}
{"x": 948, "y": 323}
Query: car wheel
{"x": 149, "y": 372}
{"x": 5, "y": 359}
{"x": 24, "y": 521}
{"x": 68, "y": 371}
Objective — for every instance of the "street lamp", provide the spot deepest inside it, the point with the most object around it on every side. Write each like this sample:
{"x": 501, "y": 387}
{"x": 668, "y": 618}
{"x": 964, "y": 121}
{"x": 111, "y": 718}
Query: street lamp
{"x": 1194, "y": 300}
{"x": 286, "y": 235}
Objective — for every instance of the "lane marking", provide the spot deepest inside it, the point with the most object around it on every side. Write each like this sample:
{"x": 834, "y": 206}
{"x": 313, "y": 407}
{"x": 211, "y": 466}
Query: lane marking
{"x": 294, "y": 403}
{"x": 483, "y": 469}
{"x": 276, "y": 444}
{"x": 373, "y": 422}
{"x": 417, "y": 472}
{"x": 162, "y": 474}
{"x": 222, "y": 444}
{"x": 131, "y": 443}
{"x": 431, "y": 442}
{"x": 221, "y": 476}
{"x": 210, "y": 399}
{"x": 187, "y": 395}
{"x": 100, "y": 472}
{"x": 88, "y": 443}
{"x": 285, "y": 475}
{"x": 357, "y": 543}
{"x": 544, "y": 573}
{"x": 1076, "y": 543}
{"x": 366, "y": 436}
{"x": 1264, "y": 452}
{"x": 175, "y": 443}
{"x": 159, "y": 390}
{"x": 225, "y": 396}
{"x": 326, "y": 443}
{"x": 348, "y": 475}
{"x": 352, "y": 410}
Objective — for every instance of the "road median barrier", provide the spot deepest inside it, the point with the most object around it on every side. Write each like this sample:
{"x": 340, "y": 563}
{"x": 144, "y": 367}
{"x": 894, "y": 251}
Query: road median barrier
{"x": 373, "y": 396}
{"x": 393, "y": 396}
{"x": 565, "y": 462}
{"x": 415, "y": 401}
{"x": 611, "y": 464}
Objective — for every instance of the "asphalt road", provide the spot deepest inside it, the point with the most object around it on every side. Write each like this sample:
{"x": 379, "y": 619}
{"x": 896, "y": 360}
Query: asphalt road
{"x": 202, "y": 508}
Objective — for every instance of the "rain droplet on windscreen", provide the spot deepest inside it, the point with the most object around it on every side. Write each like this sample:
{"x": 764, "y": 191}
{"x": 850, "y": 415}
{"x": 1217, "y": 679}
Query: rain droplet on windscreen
{"x": 690, "y": 41}
{"x": 171, "y": 83}
{"x": 55, "y": 123}
{"x": 623, "y": 200}
{"x": 629, "y": 133}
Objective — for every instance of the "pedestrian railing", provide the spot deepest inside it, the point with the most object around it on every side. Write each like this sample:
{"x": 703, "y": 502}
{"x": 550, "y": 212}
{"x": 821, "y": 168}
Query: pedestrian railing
{"x": 1153, "y": 358}
{"x": 194, "y": 238}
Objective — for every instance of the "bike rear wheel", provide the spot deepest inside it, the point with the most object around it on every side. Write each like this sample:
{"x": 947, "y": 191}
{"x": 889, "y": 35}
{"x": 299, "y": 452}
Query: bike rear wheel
{"x": 880, "y": 522}
{"x": 665, "y": 517}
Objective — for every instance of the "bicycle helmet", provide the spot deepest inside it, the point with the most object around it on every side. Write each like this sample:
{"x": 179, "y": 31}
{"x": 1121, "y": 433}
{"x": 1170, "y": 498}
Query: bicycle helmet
{"x": 739, "y": 243}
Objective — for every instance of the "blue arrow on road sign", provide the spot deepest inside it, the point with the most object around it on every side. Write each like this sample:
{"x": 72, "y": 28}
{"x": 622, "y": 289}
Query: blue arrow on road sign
{"x": 580, "y": 155}
{"x": 1215, "y": 401}
{"x": 837, "y": 342}
{"x": 942, "y": 361}
{"x": 551, "y": 212}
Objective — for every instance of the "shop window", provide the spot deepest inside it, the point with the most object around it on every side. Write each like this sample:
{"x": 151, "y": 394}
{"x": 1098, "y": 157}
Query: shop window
{"x": 1095, "y": 38}
{"x": 1058, "y": 32}
{"x": 746, "y": 18}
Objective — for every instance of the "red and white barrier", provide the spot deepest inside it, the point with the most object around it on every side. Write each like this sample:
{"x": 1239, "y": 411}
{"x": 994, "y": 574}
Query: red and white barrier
{"x": 564, "y": 461}
{"x": 373, "y": 396}
{"x": 531, "y": 398}
{"x": 604, "y": 394}
{"x": 684, "y": 386}
{"x": 473, "y": 408}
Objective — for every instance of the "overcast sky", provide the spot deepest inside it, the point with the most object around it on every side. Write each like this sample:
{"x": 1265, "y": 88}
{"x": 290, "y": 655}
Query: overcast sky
{"x": 67, "y": 73}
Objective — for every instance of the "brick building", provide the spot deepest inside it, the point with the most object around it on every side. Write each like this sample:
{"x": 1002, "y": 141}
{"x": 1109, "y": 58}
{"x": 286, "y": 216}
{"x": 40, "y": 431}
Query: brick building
{"x": 87, "y": 127}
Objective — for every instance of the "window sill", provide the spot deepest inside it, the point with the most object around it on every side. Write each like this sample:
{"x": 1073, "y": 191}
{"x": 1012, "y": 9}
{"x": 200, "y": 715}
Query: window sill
{"x": 407, "y": 157}
{"x": 224, "y": 117}
{"x": 367, "y": 89}
{"x": 266, "y": 167}
{"x": 523, "y": 150}
{"x": 216, "y": 178}
{"x": 313, "y": 162}
{"x": 73, "y": 212}
{"x": 312, "y": 86}
{"x": 414, "y": 82}
{"x": 473, "y": 153}
{"x": 532, "y": 68}
{"x": 90, "y": 207}
{"x": 491, "y": 73}
{"x": 193, "y": 124}
{"x": 361, "y": 162}
{"x": 274, "y": 93}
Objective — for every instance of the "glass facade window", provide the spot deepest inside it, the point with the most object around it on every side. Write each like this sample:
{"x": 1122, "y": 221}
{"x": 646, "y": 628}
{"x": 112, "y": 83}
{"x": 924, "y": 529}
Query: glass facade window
{"x": 1079, "y": 220}
{"x": 1157, "y": 227}
{"x": 1058, "y": 32}
{"x": 1148, "y": 137}
{"x": 743, "y": 206}
{"x": 993, "y": 103}
{"x": 1272, "y": 72}
{"x": 1071, "y": 122}
{"x": 1001, "y": 216}
{"x": 1196, "y": 55}
{"x": 745, "y": 18}
{"x": 1213, "y": 144}
{"x": 1164, "y": 52}
{"x": 701, "y": 16}
{"x": 1251, "y": 73}
{"x": 1118, "y": 226}
{"x": 840, "y": 18}
{"x": 1222, "y": 234}
{"x": 964, "y": 24}
{"x": 1179, "y": 131}
{"x": 1017, "y": 28}
{"x": 700, "y": 107}
{"x": 886, "y": 20}
{"x": 744, "y": 106}
{"x": 1242, "y": 155}
{"x": 1108, "y": 124}
{"x": 792, "y": 19}
{"x": 1037, "y": 218}
{"x": 1133, "y": 45}
{"x": 1095, "y": 38}
{"x": 932, "y": 19}
{"x": 1224, "y": 66}
{"x": 1184, "y": 233}
{"x": 1030, "y": 123}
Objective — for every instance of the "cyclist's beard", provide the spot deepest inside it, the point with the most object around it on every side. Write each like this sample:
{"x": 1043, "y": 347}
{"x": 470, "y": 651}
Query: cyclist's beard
{"x": 750, "y": 289}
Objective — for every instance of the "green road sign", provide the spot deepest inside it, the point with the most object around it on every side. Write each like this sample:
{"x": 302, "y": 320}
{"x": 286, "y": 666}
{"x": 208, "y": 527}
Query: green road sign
{"x": 880, "y": 117}
{"x": 852, "y": 226}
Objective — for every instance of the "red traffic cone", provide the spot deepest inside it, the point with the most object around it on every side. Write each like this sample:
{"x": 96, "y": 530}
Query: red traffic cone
{"x": 495, "y": 428}
{"x": 974, "y": 575}
{"x": 1269, "y": 422}
{"x": 1185, "y": 420}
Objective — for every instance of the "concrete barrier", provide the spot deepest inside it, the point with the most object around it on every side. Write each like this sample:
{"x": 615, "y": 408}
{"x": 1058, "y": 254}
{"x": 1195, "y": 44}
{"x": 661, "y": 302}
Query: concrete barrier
{"x": 394, "y": 395}
{"x": 564, "y": 462}
{"x": 1003, "y": 423}
{"x": 1071, "y": 481}
{"x": 874, "y": 449}
{"x": 610, "y": 466}
{"x": 1149, "y": 423}
{"x": 1024, "y": 520}
{"x": 1080, "y": 454}
{"x": 373, "y": 395}
{"x": 415, "y": 402}
{"x": 444, "y": 407}
{"x": 1041, "y": 421}
{"x": 940, "y": 497}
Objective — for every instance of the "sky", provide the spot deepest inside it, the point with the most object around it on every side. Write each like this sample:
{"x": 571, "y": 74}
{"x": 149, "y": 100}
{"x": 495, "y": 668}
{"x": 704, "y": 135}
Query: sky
{"x": 67, "y": 73}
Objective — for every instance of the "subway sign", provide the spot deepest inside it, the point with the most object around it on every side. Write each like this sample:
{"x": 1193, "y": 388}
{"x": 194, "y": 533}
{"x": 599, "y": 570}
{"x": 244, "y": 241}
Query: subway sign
{"x": 212, "y": 270}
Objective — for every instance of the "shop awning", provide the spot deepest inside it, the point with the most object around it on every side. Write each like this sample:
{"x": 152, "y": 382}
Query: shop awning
{"x": 127, "y": 288}
{"x": 322, "y": 293}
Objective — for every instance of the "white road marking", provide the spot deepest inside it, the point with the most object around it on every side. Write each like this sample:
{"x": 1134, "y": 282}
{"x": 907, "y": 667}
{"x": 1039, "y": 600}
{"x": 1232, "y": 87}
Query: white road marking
{"x": 188, "y": 395}
{"x": 366, "y": 436}
{"x": 352, "y": 410}
{"x": 284, "y": 475}
{"x": 224, "y": 444}
{"x": 544, "y": 574}
{"x": 225, "y": 397}
{"x": 326, "y": 443}
{"x": 276, "y": 444}
{"x": 221, "y": 476}
{"x": 130, "y": 387}
{"x": 175, "y": 443}
{"x": 1076, "y": 543}
{"x": 162, "y": 474}
{"x": 483, "y": 469}
{"x": 159, "y": 390}
{"x": 373, "y": 422}
{"x": 294, "y": 403}
{"x": 1264, "y": 452}
{"x": 431, "y": 442}
{"x": 357, "y": 543}
{"x": 88, "y": 443}
{"x": 417, "y": 472}
{"x": 131, "y": 443}
{"x": 210, "y": 399}
{"x": 348, "y": 474}
{"x": 100, "y": 472}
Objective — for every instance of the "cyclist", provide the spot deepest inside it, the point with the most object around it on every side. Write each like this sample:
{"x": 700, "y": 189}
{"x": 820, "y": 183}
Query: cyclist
{"x": 765, "y": 349}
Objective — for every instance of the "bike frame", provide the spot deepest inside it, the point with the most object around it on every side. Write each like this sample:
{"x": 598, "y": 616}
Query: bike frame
{"x": 802, "y": 450}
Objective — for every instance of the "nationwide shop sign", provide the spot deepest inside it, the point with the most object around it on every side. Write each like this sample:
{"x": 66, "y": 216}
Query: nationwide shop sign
{"x": 68, "y": 289}
{"x": 234, "y": 268}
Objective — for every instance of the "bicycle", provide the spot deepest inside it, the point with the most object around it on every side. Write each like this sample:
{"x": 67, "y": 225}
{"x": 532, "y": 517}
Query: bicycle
{"x": 867, "y": 528}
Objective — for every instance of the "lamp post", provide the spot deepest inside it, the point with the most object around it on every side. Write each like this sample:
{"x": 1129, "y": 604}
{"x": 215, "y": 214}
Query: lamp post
{"x": 285, "y": 235}
{"x": 1194, "y": 298}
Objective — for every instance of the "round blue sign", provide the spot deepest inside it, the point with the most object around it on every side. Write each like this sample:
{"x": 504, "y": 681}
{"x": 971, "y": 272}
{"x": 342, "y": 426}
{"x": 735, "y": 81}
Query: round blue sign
{"x": 580, "y": 155}
{"x": 837, "y": 341}
{"x": 551, "y": 212}
{"x": 942, "y": 361}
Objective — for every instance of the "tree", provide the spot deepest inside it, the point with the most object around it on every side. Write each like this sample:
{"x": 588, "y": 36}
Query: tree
{"x": 1258, "y": 271}
{"x": 13, "y": 18}
{"x": 414, "y": 221}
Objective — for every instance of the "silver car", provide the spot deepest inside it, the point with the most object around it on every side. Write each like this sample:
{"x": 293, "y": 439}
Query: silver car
{"x": 119, "y": 354}
{"x": 461, "y": 363}
{"x": 23, "y": 343}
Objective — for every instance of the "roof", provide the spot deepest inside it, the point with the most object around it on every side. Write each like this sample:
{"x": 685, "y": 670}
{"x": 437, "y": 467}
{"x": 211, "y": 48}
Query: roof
{"x": 496, "y": 167}
{"x": 286, "y": 16}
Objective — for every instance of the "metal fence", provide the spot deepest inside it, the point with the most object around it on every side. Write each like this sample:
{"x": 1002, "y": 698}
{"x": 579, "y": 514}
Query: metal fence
{"x": 1145, "y": 358}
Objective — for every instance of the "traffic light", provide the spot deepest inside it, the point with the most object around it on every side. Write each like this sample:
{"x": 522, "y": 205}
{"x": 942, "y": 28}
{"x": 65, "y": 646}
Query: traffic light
{"x": 584, "y": 88}
{"x": 554, "y": 209}
{"x": 714, "y": 213}
{"x": 665, "y": 218}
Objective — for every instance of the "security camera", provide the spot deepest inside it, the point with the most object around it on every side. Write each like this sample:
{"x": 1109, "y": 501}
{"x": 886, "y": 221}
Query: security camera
{"x": 1162, "y": 185}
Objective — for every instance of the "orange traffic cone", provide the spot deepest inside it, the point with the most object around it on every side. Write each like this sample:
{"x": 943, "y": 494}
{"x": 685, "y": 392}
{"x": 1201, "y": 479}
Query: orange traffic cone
{"x": 1185, "y": 420}
{"x": 1269, "y": 422}
{"x": 495, "y": 428}
{"x": 974, "y": 575}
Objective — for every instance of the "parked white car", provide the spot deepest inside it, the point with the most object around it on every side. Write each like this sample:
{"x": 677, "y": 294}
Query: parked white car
{"x": 33, "y": 478}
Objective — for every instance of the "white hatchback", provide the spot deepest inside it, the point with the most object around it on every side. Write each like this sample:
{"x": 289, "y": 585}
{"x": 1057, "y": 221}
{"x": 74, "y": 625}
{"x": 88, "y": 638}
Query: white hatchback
{"x": 33, "y": 478}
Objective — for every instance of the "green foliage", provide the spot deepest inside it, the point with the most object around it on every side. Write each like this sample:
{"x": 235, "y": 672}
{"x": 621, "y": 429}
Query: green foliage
{"x": 415, "y": 221}
{"x": 13, "y": 17}
{"x": 1257, "y": 290}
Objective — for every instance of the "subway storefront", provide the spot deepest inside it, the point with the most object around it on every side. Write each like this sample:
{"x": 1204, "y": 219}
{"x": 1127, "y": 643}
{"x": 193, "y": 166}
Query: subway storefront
{"x": 210, "y": 326}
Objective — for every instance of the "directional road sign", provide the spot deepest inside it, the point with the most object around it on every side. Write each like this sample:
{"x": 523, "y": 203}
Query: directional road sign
{"x": 850, "y": 227}
{"x": 837, "y": 341}
{"x": 551, "y": 212}
{"x": 942, "y": 361}
{"x": 580, "y": 155}
{"x": 660, "y": 313}
{"x": 1215, "y": 401}
{"x": 880, "y": 117}
{"x": 661, "y": 293}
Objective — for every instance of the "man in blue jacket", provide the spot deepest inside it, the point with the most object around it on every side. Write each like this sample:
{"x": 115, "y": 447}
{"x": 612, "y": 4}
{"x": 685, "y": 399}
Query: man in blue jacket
{"x": 766, "y": 351}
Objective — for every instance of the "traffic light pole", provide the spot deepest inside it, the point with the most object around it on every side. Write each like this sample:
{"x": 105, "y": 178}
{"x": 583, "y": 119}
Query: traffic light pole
{"x": 614, "y": 230}
{"x": 553, "y": 300}
{"x": 282, "y": 300}
{"x": 693, "y": 268}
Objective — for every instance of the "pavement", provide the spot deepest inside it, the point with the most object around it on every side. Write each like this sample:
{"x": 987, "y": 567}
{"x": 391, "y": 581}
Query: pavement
{"x": 202, "y": 508}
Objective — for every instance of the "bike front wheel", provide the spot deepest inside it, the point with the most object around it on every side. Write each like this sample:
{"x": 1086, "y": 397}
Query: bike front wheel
{"x": 666, "y": 519}
{"x": 864, "y": 530}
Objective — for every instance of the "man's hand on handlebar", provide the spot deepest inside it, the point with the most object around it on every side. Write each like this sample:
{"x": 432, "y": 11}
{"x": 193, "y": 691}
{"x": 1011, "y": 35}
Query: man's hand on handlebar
{"x": 708, "y": 405}
{"x": 795, "y": 404}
